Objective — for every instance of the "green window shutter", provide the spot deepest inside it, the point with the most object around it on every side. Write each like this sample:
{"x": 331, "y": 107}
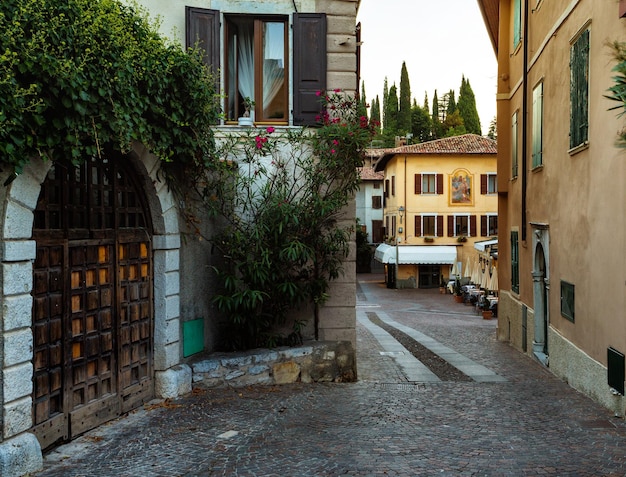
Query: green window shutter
{"x": 514, "y": 145}
{"x": 579, "y": 90}
{"x": 517, "y": 22}
{"x": 537, "y": 130}
{"x": 514, "y": 261}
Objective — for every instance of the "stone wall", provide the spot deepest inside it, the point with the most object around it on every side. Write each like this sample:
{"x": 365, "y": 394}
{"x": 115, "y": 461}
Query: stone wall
{"x": 319, "y": 361}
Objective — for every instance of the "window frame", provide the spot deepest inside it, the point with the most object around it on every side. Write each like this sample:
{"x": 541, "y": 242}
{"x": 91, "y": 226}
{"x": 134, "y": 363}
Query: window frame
{"x": 427, "y": 178}
{"x": 377, "y": 202}
{"x": 258, "y": 22}
{"x": 517, "y": 23}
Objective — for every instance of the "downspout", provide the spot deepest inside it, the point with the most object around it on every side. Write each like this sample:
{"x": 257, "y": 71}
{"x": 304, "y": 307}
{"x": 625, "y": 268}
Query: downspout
{"x": 524, "y": 120}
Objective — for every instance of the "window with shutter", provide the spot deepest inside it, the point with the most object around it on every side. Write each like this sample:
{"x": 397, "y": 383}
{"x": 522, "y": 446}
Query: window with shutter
{"x": 376, "y": 202}
{"x": 537, "y": 126}
{"x": 418, "y": 184}
{"x": 440, "y": 226}
{"x": 393, "y": 185}
{"x": 309, "y": 71}
{"x": 488, "y": 183}
{"x": 256, "y": 53}
{"x": 439, "y": 184}
{"x": 429, "y": 225}
{"x": 515, "y": 261}
{"x": 517, "y": 22}
{"x": 418, "y": 226}
{"x": 579, "y": 90}
{"x": 514, "y": 145}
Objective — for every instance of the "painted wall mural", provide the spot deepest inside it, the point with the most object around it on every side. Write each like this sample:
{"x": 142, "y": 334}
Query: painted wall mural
{"x": 461, "y": 191}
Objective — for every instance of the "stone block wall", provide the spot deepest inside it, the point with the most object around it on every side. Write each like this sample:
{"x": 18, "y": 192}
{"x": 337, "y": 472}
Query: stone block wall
{"x": 316, "y": 361}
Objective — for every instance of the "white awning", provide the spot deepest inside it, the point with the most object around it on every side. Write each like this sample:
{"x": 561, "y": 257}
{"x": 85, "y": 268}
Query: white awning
{"x": 416, "y": 254}
{"x": 480, "y": 246}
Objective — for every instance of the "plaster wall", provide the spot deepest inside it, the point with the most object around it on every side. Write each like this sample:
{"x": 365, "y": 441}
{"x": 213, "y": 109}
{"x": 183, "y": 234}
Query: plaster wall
{"x": 576, "y": 194}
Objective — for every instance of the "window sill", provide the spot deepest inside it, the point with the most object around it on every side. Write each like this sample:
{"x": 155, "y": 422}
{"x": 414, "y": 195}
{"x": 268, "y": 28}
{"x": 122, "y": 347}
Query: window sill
{"x": 575, "y": 150}
{"x": 537, "y": 168}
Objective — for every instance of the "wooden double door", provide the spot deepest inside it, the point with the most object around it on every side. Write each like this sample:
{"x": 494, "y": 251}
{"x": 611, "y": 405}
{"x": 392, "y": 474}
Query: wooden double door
{"x": 92, "y": 299}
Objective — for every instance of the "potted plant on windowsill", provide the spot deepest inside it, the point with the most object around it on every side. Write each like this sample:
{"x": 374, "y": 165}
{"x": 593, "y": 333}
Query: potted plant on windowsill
{"x": 462, "y": 238}
{"x": 429, "y": 239}
{"x": 248, "y": 104}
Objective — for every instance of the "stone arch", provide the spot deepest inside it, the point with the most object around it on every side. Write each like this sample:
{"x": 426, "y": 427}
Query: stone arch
{"x": 17, "y": 253}
{"x": 541, "y": 288}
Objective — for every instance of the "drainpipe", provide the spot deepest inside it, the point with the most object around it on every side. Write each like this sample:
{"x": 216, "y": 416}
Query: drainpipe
{"x": 524, "y": 119}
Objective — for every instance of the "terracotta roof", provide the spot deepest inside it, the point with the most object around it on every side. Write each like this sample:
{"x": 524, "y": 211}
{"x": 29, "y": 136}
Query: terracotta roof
{"x": 368, "y": 174}
{"x": 464, "y": 144}
{"x": 456, "y": 145}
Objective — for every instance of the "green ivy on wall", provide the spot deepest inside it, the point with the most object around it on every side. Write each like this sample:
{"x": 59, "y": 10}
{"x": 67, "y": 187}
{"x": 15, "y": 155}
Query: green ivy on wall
{"x": 78, "y": 74}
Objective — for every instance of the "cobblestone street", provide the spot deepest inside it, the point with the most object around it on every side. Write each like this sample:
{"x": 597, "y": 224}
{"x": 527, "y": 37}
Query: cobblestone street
{"x": 510, "y": 417}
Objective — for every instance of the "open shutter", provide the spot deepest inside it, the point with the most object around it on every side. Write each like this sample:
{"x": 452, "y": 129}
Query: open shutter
{"x": 483, "y": 225}
{"x": 418, "y": 226}
{"x": 418, "y": 184}
{"x": 483, "y": 184}
{"x": 439, "y": 226}
{"x": 309, "y": 69}
{"x": 439, "y": 183}
{"x": 473, "y": 231}
{"x": 203, "y": 28}
{"x": 450, "y": 225}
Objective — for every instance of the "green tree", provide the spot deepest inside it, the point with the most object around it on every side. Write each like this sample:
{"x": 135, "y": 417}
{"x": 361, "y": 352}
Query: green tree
{"x": 453, "y": 125}
{"x": 426, "y": 106}
{"x": 375, "y": 114}
{"x": 451, "y": 103}
{"x": 421, "y": 124}
{"x": 385, "y": 101}
{"x": 362, "y": 106}
{"x": 467, "y": 108}
{"x": 404, "y": 103}
{"x": 437, "y": 127}
{"x": 390, "y": 124}
{"x": 493, "y": 129}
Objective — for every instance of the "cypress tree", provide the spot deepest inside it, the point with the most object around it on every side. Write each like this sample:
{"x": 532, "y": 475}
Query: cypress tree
{"x": 467, "y": 108}
{"x": 451, "y": 103}
{"x": 375, "y": 113}
{"x": 437, "y": 129}
{"x": 362, "y": 105}
{"x": 385, "y": 101}
{"x": 391, "y": 112}
{"x": 404, "y": 106}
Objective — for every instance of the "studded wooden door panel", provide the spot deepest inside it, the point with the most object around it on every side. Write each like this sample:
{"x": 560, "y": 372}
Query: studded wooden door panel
{"x": 92, "y": 299}
{"x": 48, "y": 350}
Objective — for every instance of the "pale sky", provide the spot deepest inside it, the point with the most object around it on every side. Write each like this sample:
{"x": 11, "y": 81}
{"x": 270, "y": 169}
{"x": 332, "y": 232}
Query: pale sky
{"x": 440, "y": 41}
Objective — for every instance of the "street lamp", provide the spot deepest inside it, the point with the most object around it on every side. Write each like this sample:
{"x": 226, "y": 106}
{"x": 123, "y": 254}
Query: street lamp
{"x": 401, "y": 211}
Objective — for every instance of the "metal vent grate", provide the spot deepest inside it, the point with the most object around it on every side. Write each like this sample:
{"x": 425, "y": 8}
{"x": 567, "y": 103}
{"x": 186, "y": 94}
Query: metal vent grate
{"x": 615, "y": 372}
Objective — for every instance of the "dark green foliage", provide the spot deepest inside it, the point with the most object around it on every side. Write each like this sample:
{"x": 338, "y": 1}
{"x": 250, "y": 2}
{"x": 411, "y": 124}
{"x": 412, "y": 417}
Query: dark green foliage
{"x": 617, "y": 92}
{"x": 493, "y": 129}
{"x": 375, "y": 114}
{"x": 363, "y": 251}
{"x": 437, "y": 128}
{"x": 467, "y": 108}
{"x": 78, "y": 74}
{"x": 421, "y": 124}
{"x": 280, "y": 205}
{"x": 451, "y": 108}
{"x": 404, "y": 102}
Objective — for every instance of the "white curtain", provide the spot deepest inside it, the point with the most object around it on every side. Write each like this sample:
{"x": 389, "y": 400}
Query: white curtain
{"x": 246, "y": 63}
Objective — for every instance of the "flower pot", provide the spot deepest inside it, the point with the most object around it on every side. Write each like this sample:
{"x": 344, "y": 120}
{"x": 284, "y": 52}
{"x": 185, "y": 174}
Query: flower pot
{"x": 458, "y": 298}
{"x": 487, "y": 314}
{"x": 243, "y": 121}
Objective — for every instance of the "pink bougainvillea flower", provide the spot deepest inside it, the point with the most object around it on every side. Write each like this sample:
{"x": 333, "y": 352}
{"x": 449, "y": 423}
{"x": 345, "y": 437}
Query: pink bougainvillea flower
{"x": 270, "y": 130}
{"x": 337, "y": 90}
{"x": 318, "y": 93}
{"x": 332, "y": 151}
{"x": 335, "y": 142}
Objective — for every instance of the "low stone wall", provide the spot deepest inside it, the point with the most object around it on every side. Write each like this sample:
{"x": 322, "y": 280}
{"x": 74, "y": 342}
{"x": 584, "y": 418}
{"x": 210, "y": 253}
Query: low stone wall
{"x": 318, "y": 361}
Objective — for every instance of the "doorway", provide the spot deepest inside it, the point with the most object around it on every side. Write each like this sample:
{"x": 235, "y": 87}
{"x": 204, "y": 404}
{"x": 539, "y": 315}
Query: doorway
{"x": 92, "y": 298}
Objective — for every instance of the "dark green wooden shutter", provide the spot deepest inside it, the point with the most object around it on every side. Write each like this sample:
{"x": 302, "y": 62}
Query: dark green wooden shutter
{"x": 579, "y": 90}
{"x": 203, "y": 28}
{"x": 309, "y": 69}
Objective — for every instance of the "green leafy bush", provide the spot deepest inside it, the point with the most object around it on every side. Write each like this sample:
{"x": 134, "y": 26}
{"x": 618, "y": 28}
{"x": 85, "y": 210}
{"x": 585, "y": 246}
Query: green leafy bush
{"x": 280, "y": 195}
{"x": 78, "y": 74}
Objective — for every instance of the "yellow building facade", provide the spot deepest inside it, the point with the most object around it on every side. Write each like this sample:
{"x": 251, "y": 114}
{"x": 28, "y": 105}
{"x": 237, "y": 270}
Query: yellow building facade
{"x": 561, "y": 189}
{"x": 440, "y": 198}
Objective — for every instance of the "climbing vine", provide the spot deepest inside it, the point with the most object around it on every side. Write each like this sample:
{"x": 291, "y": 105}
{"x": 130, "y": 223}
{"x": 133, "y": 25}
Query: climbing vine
{"x": 78, "y": 74}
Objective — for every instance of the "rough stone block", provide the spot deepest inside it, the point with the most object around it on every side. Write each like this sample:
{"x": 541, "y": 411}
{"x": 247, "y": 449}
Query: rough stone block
{"x": 166, "y": 242}
{"x": 337, "y": 317}
{"x": 173, "y": 382}
{"x": 205, "y": 366}
{"x": 167, "y": 356}
{"x": 20, "y": 456}
{"x": 17, "y": 278}
{"x": 18, "y": 223}
{"x": 18, "y": 250}
{"x": 17, "y": 382}
{"x": 17, "y": 417}
{"x": 291, "y": 353}
{"x": 237, "y": 361}
{"x": 285, "y": 373}
{"x": 17, "y": 312}
{"x": 341, "y": 294}
{"x": 17, "y": 346}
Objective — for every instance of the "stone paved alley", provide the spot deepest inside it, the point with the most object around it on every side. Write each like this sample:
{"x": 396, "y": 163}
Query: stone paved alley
{"x": 510, "y": 418}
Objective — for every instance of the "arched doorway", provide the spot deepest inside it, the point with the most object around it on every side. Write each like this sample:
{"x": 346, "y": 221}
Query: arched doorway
{"x": 92, "y": 312}
{"x": 541, "y": 294}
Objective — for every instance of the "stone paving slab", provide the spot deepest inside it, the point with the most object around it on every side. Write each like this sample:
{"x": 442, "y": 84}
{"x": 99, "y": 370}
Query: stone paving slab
{"x": 531, "y": 425}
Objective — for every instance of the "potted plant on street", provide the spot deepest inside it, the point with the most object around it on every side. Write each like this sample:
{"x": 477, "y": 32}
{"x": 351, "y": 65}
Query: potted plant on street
{"x": 442, "y": 286}
{"x": 458, "y": 293}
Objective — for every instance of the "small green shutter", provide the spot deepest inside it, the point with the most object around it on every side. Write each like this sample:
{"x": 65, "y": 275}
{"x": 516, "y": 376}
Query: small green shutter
{"x": 579, "y": 90}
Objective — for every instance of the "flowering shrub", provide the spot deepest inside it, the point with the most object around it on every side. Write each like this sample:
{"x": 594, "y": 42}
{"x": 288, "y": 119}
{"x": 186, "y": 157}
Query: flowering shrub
{"x": 283, "y": 240}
